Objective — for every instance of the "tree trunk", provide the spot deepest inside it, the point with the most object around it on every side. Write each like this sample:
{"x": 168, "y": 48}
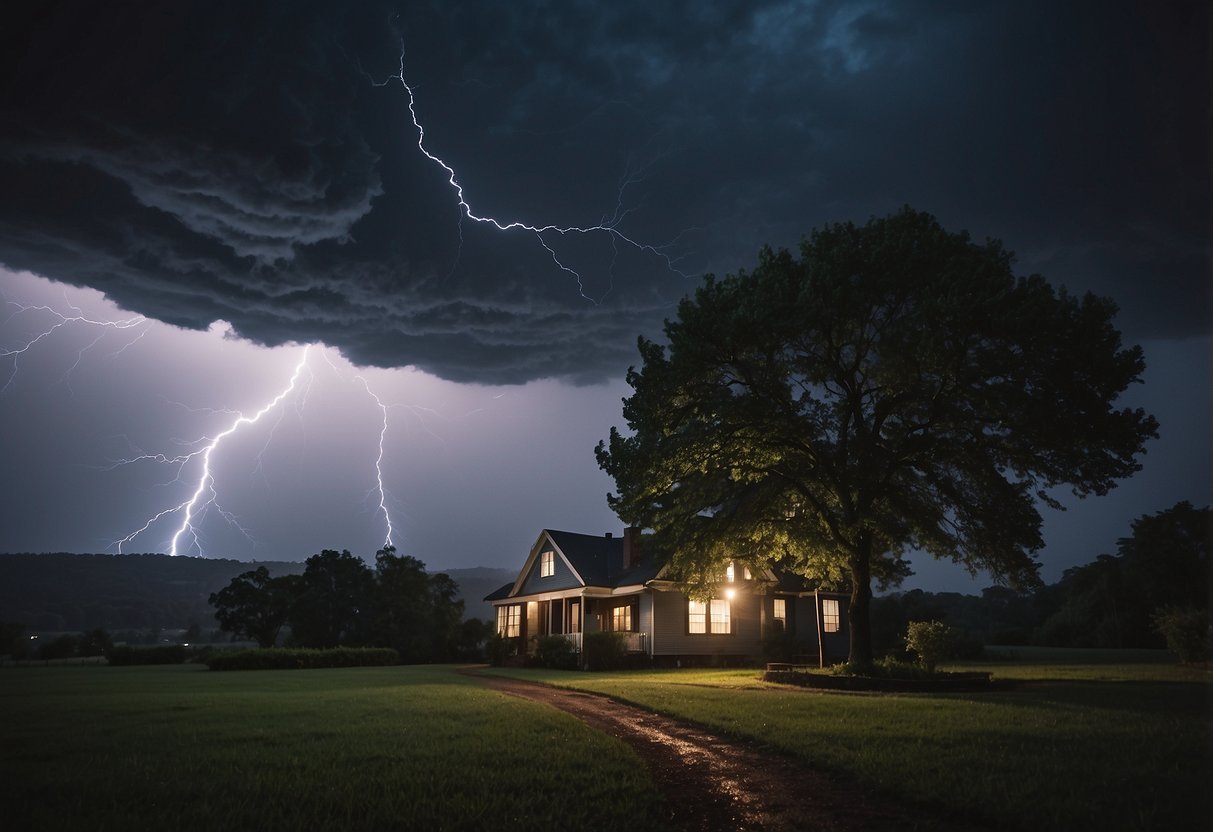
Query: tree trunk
{"x": 860, "y": 620}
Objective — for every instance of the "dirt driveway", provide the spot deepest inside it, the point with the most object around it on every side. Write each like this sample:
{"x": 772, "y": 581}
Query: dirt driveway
{"x": 710, "y": 782}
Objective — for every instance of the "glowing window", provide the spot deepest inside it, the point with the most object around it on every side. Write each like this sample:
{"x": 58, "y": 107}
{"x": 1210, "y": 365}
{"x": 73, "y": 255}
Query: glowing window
{"x": 547, "y": 564}
{"x": 575, "y": 617}
{"x": 729, "y": 573}
{"x": 509, "y": 620}
{"x": 746, "y": 573}
{"x": 621, "y": 619}
{"x": 781, "y": 611}
{"x": 721, "y": 619}
{"x": 829, "y": 615}
{"x": 697, "y": 617}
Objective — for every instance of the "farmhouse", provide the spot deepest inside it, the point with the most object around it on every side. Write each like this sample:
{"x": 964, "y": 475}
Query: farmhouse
{"x": 573, "y": 584}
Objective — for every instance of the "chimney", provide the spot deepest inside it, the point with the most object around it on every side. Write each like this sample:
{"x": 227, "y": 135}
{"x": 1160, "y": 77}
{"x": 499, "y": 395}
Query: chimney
{"x": 631, "y": 547}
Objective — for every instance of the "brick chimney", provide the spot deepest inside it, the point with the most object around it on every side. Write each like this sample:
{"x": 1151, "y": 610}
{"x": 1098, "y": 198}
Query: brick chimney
{"x": 631, "y": 547}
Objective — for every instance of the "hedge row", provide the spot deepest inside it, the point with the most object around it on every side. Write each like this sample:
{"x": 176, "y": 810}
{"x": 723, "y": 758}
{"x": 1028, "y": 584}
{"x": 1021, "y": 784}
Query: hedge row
{"x": 288, "y": 659}
{"x": 124, "y": 654}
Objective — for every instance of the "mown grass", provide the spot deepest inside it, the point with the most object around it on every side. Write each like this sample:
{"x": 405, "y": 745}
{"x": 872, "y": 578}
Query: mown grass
{"x": 182, "y": 748}
{"x": 1114, "y": 745}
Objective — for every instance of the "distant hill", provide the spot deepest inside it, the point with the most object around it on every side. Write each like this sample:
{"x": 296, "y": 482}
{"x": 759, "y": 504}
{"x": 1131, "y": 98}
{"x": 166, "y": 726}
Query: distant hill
{"x": 476, "y": 583}
{"x": 77, "y": 592}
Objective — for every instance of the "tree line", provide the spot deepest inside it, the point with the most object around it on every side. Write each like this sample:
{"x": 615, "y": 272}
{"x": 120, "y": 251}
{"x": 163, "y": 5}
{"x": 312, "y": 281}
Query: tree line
{"x": 1118, "y": 601}
{"x": 339, "y": 601}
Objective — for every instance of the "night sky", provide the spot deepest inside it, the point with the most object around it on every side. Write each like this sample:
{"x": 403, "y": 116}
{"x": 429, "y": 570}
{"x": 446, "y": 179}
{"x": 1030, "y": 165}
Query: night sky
{"x": 206, "y": 188}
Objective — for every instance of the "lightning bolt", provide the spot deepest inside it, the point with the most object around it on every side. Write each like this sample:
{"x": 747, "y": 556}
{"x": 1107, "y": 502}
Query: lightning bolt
{"x": 608, "y": 225}
{"x": 60, "y": 320}
{"x": 204, "y": 494}
{"x": 387, "y": 518}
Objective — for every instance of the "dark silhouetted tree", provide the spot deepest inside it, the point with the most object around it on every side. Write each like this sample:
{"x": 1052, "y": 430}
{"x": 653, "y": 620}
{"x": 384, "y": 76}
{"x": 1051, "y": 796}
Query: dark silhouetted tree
{"x": 255, "y": 605}
{"x": 894, "y": 388}
{"x": 334, "y": 602}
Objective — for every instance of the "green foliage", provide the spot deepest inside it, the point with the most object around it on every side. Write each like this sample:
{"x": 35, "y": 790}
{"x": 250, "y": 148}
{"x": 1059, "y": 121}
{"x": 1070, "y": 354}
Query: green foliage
{"x": 886, "y": 667}
{"x": 95, "y": 643}
{"x": 1110, "y": 602}
{"x": 62, "y": 647}
{"x": 778, "y": 645}
{"x": 604, "y": 650}
{"x": 930, "y": 641}
{"x": 122, "y": 655}
{"x": 331, "y": 605}
{"x": 301, "y": 659}
{"x": 1188, "y": 631}
{"x": 500, "y": 649}
{"x": 555, "y": 652}
{"x": 255, "y": 606}
{"x": 894, "y": 387}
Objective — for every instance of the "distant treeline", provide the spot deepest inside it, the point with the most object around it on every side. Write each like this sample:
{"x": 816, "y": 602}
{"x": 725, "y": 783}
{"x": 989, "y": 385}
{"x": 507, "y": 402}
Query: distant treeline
{"x": 145, "y": 593}
{"x": 1110, "y": 602}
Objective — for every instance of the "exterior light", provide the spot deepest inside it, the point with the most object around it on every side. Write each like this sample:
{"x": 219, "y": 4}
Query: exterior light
{"x": 729, "y": 593}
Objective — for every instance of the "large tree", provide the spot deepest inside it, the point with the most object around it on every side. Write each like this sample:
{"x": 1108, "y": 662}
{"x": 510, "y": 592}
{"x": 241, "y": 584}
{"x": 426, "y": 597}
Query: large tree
{"x": 255, "y": 606}
{"x": 894, "y": 388}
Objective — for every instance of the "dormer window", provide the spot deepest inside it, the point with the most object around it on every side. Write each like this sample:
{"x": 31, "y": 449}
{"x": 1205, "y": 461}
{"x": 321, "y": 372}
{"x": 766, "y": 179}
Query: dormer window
{"x": 547, "y": 564}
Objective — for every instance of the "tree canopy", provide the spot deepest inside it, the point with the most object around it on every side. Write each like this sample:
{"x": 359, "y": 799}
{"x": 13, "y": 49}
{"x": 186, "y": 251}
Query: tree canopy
{"x": 894, "y": 388}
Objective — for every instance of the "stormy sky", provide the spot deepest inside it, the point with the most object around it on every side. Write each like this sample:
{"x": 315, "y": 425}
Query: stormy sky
{"x": 232, "y": 181}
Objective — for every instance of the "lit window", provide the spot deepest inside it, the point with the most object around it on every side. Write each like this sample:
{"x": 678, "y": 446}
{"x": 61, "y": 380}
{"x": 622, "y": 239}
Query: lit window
{"x": 728, "y": 573}
{"x": 721, "y": 620}
{"x": 829, "y": 615}
{"x": 697, "y": 617}
{"x": 781, "y": 611}
{"x": 621, "y": 619}
{"x": 745, "y": 571}
{"x": 547, "y": 564}
{"x": 509, "y": 620}
{"x": 575, "y": 617}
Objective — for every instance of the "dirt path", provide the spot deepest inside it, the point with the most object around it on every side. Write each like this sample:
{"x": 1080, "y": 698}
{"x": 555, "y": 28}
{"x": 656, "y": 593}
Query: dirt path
{"x": 711, "y": 783}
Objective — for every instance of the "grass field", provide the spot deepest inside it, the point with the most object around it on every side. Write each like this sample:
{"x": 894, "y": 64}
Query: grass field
{"x": 180, "y": 748}
{"x": 1091, "y": 740}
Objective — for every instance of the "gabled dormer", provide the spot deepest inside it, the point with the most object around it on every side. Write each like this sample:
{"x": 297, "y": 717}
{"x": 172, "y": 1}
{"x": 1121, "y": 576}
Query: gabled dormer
{"x": 547, "y": 569}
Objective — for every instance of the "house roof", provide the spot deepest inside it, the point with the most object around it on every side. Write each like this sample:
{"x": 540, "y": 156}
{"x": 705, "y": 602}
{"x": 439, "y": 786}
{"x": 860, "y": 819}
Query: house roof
{"x": 599, "y": 559}
{"x": 501, "y": 592}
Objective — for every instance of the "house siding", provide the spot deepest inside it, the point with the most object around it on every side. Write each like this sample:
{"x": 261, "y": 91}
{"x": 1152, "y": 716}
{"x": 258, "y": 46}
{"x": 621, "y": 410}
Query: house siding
{"x": 562, "y": 577}
{"x": 670, "y": 636}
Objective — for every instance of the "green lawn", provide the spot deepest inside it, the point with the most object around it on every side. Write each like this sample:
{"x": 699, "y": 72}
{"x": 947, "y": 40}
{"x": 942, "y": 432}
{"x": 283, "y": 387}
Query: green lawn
{"x": 180, "y": 748}
{"x": 1110, "y": 744}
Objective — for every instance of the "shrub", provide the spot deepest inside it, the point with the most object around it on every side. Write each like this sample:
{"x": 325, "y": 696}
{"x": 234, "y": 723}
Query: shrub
{"x": 302, "y": 659}
{"x": 124, "y": 654}
{"x": 930, "y": 640}
{"x": 555, "y": 652}
{"x": 604, "y": 650}
{"x": 499, "y": 649}
{"x": 61, "y": 648}
{"x": 1188, "y": 631}
{"x": 777, "y": 644}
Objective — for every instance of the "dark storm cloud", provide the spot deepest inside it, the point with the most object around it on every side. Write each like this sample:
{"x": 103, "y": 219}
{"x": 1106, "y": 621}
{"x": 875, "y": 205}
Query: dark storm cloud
{"x": 235, "y": 161}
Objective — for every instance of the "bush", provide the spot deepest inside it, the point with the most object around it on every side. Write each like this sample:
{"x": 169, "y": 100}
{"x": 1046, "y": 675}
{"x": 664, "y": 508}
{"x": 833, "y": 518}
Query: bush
{"x": 777, "y": 644}
{"x": 1188, "y": 631}
{"x": 555, "y": 652}
{"x": 273, "y": 658}
{"x": 124, "y": 654}
{"x": 604, "y": 650}
{"x": 499, "y": 649}
{"x": 930, "y": 640}
{"x": 61, "y": 648}
{"x": 886, "y": 667}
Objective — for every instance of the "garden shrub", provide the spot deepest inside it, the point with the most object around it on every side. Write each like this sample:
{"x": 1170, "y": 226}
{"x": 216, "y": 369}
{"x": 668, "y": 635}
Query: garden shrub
{"x": 1188, "y": 631}
{"x": 555, "y": 652}
{"x": 929, "y": 640}
{"x": 274, "y": 658}
{"x": 499, "y": 649}
{"x": 604, "y": 650}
